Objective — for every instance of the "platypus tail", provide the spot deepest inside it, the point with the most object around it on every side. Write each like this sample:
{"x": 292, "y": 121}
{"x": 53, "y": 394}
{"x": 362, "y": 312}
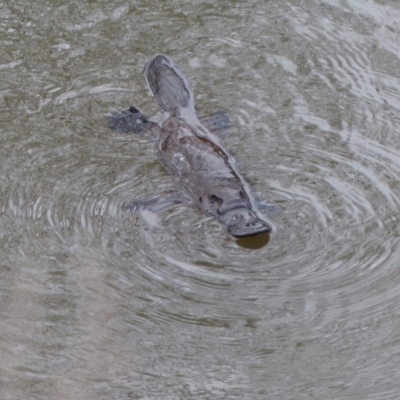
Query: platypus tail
{"x": 168, "y": 85}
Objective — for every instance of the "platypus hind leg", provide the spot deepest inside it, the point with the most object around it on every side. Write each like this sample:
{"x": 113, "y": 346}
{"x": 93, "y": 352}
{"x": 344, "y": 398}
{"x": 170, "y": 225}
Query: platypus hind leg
{"x": 133, "y": 121}
{"x": 217, "y": 122}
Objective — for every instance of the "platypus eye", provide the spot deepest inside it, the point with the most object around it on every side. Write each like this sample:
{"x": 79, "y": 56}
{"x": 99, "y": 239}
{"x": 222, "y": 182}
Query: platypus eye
{"x": 214, "y": 199}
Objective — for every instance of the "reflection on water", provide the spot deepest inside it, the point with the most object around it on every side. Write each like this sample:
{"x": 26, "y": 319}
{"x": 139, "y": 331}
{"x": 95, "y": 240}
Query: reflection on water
{"x": 253, "y": 242}
{"x": 98, "y": 302}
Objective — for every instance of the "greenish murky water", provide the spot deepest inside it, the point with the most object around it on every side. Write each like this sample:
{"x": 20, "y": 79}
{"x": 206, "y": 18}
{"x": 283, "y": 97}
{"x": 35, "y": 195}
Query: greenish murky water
{"x": 100, "y": 303}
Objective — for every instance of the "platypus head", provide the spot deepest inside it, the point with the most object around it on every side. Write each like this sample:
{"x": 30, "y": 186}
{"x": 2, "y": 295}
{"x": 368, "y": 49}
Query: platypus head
{"x": 238, "y": 217}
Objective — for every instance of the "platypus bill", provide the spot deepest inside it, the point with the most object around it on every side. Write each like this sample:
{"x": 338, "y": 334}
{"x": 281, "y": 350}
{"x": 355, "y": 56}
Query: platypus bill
{"x": 204, "y": 170}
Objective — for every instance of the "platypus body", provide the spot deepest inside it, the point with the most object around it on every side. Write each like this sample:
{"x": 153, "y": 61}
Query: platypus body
{"x": 204, "y": 170}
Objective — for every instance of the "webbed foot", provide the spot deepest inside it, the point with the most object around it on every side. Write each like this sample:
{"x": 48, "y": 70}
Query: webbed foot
{"x": 217, "y": 122}
{"x": 130, "y": 121}
{"x": 158, "y": 203}
{"x": 266, "y": 208}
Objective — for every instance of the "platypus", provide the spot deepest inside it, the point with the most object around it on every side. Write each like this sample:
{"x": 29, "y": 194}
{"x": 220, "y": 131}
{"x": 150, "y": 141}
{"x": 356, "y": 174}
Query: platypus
{"x": 203, "y": 169}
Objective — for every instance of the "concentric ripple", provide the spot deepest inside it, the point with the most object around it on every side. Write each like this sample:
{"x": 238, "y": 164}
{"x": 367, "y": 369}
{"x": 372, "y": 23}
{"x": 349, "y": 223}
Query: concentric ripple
{"x": 101, "y": 302}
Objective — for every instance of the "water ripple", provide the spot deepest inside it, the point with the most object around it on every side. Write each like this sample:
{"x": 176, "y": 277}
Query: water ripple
{"x": 134, "y": 303}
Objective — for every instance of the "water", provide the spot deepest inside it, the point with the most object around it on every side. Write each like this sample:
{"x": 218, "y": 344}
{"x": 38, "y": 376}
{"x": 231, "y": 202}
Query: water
{"x": 98, "y": 303}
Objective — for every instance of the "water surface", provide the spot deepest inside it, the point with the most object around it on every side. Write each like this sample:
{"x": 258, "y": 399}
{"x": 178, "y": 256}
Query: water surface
{"x": 99, "y": 303}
